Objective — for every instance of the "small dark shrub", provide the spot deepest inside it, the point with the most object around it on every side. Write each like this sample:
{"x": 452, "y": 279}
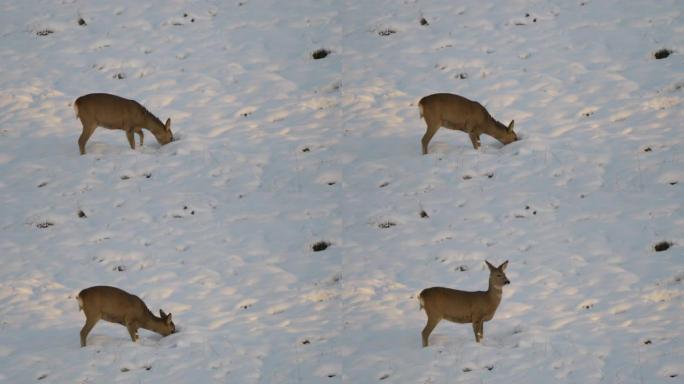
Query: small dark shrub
{"x": 320, "y": 54}
{"x": 387, "y": 32}
{"x": 81, "y": 22}
{"x": 44, "y": 32}
{"x": 423, "y": 21}
{"x": 45, "y": 224}
{"x": 662, "y": 246}
{"x": 320, "y": 246}
{"x": 662, "y": 54}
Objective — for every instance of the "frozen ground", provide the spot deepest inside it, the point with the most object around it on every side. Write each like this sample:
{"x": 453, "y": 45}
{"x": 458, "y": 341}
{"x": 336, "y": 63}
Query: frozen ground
{"x": 278, "y": 151}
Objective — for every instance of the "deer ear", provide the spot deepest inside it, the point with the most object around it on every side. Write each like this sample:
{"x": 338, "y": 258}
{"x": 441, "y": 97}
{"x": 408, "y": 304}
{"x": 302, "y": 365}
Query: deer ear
{"x": 491, "y": 267}
{"x": 168, "y": 124}
{"x": 510, "y": 126}
{"x": 503, "y": 266}
{"x": 168, "y": 319}
{"x": 162, "y": 314}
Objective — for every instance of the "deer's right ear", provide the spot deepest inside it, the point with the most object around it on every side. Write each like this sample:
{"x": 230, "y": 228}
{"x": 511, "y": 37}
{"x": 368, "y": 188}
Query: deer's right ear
{"x": 491, "y": 267}
{"x": 510, "y": 125}
{"x": 168, "y": 124}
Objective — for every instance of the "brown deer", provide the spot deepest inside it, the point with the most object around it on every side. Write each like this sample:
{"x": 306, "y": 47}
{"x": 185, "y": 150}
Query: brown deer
{"x": 118, "y": 306}
{"x": 463, "y": 307}
{"x": 114, "y": 112}
{"x": 458, "y": 113}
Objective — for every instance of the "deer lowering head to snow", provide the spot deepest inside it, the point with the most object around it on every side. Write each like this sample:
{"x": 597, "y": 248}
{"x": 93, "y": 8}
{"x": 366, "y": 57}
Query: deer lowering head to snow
{"x": 458, "y": 113}
{"x": 114, "y": 112}
{"x": 118, "y": 306}
{"x": 461, "y": 306}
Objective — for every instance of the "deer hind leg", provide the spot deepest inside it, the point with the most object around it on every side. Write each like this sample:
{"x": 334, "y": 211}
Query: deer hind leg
{"x": 88, "y": 129}
{"x": 431, "y": 324}
{"x": 140, "y": 133}
{"x": 432, "y": 127}
{"x": 87, "y": 327}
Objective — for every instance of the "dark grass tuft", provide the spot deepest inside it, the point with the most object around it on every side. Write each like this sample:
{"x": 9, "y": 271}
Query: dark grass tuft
{"x": 320, "y": 54}
{"x": 662, "y": 246}
{"x": 387, "y": 32}
{"x": 320, "y": 246}
{"x": 662, "y": 54}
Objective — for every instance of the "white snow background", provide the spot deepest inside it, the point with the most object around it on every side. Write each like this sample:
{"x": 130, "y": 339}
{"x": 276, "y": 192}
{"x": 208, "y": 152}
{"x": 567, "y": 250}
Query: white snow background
{"x": 278, "y": 151}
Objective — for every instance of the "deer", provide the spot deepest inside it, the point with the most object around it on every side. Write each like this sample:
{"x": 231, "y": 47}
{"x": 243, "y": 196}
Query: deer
{"x": 114, "y": 112}
{"x": 463, "y": 307}
{"x": 458, "y": 113}
{"x": 118, "y": 306}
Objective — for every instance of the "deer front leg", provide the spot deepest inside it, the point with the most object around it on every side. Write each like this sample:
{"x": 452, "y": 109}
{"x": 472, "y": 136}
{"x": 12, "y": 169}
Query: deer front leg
{"x": 129, "y": 136}
{"x": 475, "y": 139}
{"x": 132, "y": 330}
{"x": 140, "y": 134}
{"x": 478, "y": 329}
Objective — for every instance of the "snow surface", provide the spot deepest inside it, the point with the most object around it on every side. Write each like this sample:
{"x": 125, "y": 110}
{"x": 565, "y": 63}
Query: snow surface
{"x": 278, "y": 151}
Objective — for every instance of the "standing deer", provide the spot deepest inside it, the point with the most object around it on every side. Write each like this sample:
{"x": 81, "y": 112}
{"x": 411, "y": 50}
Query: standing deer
{"x": 118, "y": 306}
{"x": 458, "y": 113}
{"x": 114, "y": 112}
{"x": 463, "y": 307}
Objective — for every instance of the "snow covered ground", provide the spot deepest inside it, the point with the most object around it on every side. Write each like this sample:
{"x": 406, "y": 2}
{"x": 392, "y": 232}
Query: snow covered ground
{"x": 278, "y": 151}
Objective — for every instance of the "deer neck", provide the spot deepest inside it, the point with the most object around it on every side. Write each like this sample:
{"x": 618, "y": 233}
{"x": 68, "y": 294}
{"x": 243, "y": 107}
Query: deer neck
{"x": 495, "y": 129}
{"x": 152, "y": 123}
{"x": 494, "y": 293}
{"x": 152, "y": 322}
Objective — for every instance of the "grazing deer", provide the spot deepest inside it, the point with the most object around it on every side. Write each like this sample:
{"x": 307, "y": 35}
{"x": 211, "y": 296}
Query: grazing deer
{"x": 118, "y": 306}
{"x": 461, "y": 306}
{"x": 458, "y": 113}
{"x": 114, "y": 112}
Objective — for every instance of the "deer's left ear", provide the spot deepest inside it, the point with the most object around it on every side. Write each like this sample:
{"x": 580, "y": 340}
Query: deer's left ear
{"x": 168, "y": 319}
{"x": 162, "y": 314}
{"x": 168, "y": 124}
{"x": 510, "y": 126}
{"x": 504, "y": 265}
{"x": 490, "y": 266}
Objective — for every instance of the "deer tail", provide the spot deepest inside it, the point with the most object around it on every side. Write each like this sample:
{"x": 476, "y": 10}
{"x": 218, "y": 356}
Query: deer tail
{"x": 76, "y": 108}
{"x": 420, "y": 108}
{"x": 420, "y": 300}
{"x": 80, "y": 302}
